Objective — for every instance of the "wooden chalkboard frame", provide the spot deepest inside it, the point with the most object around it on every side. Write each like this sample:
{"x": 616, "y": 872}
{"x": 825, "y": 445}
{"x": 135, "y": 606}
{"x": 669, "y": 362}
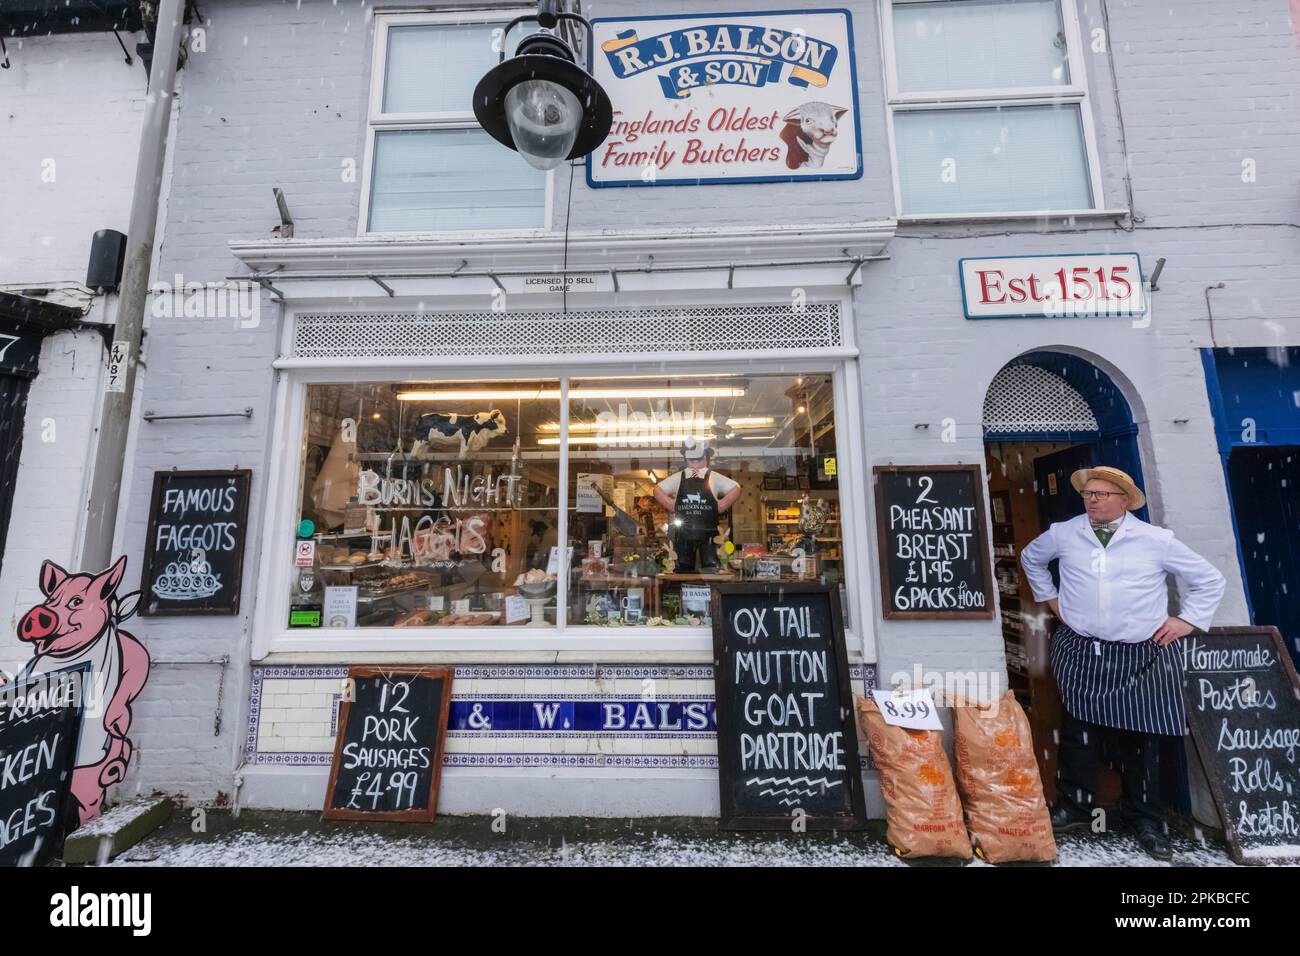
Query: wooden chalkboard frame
{"x": 242, "y": 475}
{"x": 419, "y": 815}
{"x": 728, "y": 818}
{"x": 1205, "y": 751}
{"x": 882, "y": 544}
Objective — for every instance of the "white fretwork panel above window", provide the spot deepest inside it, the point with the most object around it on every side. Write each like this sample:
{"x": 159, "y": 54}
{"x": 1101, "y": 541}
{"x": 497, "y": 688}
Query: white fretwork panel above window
{"x": 1026, "y": 398}
{"x": 760, "y": 328}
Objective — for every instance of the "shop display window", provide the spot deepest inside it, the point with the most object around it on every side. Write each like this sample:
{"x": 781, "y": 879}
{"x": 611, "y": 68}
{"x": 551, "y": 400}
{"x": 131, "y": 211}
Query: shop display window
{"x": 679, "y": 482}
{"x": 430, "y": 504}
{"x": 444, "y": 504}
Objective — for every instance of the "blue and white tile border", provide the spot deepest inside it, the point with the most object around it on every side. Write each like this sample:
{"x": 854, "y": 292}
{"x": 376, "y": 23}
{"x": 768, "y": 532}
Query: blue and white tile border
{"x": 862, "y": 677}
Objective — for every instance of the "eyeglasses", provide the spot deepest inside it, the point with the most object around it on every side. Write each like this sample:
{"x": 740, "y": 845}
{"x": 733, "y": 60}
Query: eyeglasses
{"x": 1102, "y": 495}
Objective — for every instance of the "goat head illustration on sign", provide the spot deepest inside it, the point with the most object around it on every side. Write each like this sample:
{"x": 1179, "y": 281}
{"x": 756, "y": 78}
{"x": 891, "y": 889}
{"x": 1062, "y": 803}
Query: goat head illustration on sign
{"x": 809, "y": 131}
{"x": 79, "y": 624}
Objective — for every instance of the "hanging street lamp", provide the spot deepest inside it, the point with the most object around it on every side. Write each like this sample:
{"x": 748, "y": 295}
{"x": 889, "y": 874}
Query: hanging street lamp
{"x": 540, "y": 102}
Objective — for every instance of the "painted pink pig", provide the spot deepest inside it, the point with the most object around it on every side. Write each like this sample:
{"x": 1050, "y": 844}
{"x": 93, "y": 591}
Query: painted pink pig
{"x": 77, "y": 625}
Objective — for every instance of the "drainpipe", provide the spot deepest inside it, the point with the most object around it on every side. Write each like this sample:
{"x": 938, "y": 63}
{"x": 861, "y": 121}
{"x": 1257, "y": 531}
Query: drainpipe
{"x": 115, "y": 417}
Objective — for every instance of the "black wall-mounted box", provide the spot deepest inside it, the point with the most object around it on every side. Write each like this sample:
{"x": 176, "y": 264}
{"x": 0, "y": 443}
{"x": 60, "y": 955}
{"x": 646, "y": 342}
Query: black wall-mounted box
{"x": 107, "y": 255}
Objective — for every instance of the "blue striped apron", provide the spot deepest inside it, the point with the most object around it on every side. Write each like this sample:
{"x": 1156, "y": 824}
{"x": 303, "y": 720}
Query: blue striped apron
{"x": 1130, "y": 686}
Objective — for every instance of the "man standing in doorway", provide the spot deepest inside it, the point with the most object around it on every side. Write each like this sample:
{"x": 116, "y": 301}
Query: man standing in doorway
{"x": 1114, "y": 656}
{"x": 695, "y": 497}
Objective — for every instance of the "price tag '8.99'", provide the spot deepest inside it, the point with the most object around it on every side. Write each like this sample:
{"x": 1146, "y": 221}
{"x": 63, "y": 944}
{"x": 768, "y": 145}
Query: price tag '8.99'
{"x": 913, "y": 709}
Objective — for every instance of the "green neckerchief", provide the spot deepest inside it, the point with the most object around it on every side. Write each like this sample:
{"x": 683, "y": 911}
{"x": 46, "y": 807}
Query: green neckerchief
{"x": 1105, "y": 532}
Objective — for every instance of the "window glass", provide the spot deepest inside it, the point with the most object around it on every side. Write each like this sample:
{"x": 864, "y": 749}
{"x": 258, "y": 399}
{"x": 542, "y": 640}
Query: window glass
{"x": 1005, "y": 159}
{"x": 979, "y": 44}
{"x": 453, "y": 179}
{"x": 678, "y": 482}
{"x": 434, "y": 69}
{"x": 430, "y": 504}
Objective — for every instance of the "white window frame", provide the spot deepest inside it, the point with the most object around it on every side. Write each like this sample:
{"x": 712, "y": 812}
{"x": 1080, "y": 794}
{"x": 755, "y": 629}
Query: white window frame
{"x": 1076, "y": 92}
{"x": 273, "y": 636}
{"x": 379, "y": 121}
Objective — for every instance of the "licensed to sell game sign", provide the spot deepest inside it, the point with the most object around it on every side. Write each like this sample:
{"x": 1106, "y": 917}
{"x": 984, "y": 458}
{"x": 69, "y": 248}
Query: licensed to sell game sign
{"x": 727, "y": 98}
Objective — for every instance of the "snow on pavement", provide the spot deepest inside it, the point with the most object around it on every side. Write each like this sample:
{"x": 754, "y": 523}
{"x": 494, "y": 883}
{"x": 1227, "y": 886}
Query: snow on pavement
{"x": 359, "y": 846}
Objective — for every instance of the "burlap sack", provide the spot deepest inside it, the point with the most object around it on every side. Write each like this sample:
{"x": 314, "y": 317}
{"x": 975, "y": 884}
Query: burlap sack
{"x": 921, "y": 804}
{"x": 999, "y": 783}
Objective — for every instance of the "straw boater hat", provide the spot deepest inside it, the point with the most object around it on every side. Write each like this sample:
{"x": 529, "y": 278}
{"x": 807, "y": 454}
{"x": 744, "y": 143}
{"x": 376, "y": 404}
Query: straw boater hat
{"x": 1116, "y": 477}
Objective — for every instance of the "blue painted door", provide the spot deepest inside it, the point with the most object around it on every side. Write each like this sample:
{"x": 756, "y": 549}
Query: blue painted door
{"x": 1265, "y": 485}
{"x": 1057, "y": 499}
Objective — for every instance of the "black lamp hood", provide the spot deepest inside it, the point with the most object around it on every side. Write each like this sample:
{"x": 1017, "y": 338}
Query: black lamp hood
{"x": 543, "y": 56}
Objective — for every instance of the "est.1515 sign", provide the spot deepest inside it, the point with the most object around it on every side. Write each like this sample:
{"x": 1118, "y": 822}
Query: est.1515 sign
{"x": 934, "y": 554}
{"x": 194, "y": 553}
{"x": 727, "y": 98}
{"x": 1084, "y": 285}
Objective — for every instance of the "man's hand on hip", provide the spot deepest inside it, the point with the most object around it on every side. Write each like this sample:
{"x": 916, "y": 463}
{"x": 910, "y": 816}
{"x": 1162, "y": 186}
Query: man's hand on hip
{"x": 1171, "y": 630}
{"x": 1055, "y": 605}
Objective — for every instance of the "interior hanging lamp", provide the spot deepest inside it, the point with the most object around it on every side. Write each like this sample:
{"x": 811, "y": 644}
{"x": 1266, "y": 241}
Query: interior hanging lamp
{"x": 540, "y": 102}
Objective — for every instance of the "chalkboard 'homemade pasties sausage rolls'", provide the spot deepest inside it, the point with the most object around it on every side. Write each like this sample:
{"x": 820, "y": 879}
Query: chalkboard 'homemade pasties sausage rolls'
{"x": 921, "y": 804}
{"x": 997, "y": 776}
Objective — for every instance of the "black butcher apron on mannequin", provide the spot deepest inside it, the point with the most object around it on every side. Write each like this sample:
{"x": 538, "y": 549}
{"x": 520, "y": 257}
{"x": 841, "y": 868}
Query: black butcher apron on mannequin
{"x": 695, "y": 524}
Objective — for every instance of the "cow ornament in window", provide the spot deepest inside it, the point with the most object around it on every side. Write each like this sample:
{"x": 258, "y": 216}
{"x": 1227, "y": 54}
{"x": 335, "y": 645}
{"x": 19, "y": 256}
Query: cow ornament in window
{"x": 466, "y": 433}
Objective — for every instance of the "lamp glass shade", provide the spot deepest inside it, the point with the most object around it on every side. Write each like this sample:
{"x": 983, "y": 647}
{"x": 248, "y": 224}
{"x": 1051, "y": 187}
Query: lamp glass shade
{"x": 544, "y": 118}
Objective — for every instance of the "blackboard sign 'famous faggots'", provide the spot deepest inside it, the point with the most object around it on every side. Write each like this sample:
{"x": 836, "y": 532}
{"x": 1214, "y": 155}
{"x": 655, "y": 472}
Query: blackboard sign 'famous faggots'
{"x": 934, "y": 552}
{"x": 787, "y": 744}
{"x": 194, "y": 554}
{"x": 1243, "y": 707}
{"x": 388, "y": 754}
{"x": 40, "y": 726}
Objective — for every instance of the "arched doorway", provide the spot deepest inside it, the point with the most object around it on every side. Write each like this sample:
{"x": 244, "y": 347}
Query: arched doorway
{"x": 1047, "y": 414}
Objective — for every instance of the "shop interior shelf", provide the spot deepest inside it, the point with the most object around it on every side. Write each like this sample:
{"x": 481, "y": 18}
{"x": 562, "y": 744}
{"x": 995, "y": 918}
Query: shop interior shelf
{"x": 367, "y": 598}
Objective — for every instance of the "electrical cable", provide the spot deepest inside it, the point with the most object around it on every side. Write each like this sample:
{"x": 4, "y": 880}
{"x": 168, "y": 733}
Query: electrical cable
{"x": 1134, "y": 218}
{"x": 564, "y": 274}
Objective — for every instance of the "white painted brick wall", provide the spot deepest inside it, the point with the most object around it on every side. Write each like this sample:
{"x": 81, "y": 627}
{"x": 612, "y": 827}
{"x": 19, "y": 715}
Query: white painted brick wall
{"x": 279, "y": 99}
{"x": 70, "y": 109}
{"x": 56, "y": 441}
{"x": 70, "y": 113}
